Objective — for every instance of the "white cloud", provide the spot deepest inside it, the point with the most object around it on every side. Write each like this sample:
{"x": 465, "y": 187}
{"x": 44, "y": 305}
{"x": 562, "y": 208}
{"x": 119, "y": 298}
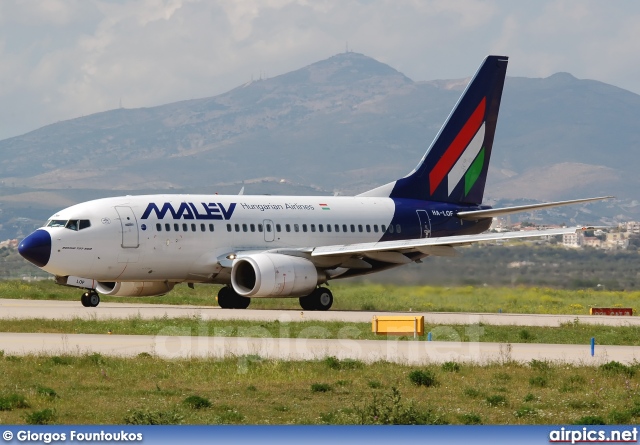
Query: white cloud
{"x": 62, "y": 59}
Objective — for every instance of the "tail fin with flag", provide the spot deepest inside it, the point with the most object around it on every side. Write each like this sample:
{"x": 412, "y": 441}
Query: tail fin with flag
{"x": 454, "y": 168}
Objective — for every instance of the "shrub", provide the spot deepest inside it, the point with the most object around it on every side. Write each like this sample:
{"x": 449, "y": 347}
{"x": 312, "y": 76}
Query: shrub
{"x": 620, "y": 417}
{"x": 374, "y": 384}
{"x": 197, "y": 402}
{"x": 539, "y": 381}
{"x": 252, "y": 388}
{"x": 529, "y": 398}
{"x": 390, "y": 410}
{"x": 230, "y": 415}
{"x": 451, "y": 367}
{"x": 57, "y": 360}
{"x": 139, "y": 417}
{"x": 47, "y": 392}
{"x": 471, "y": 392}
{"x": 320, "y": 387}
{"x": 590, "y": 420}
{"x": 144, "y": 355}
{"x": 43, "y": 417}
{"x": 470, "y": 419}
{"x": 422, "y": 378}
{"x": 525, "y": 411}
{"x": 334, "y": 363}
{"x": 525, "y": 335}
{"x": 13, "y": 401}
{"x": 614, "y": 367}
{"x": 496, "y": 400}
{"x": 540, "y": 365}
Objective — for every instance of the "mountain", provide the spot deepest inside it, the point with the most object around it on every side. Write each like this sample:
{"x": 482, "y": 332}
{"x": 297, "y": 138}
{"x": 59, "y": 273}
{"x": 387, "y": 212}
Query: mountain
{"x": 341, "y": 125}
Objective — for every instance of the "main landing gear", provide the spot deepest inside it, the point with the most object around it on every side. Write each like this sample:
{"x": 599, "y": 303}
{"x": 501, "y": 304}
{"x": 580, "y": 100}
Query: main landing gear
{"x": 229, "y": 299}
{"x": 320, "y": 299}
{"x": 90, "y": 298}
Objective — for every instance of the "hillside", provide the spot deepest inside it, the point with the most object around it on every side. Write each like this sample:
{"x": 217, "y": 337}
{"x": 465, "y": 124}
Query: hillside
{"x": 341, "y": 125}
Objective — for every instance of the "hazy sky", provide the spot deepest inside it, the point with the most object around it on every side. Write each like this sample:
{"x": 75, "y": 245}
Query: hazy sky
{"x": 61, "y": 59}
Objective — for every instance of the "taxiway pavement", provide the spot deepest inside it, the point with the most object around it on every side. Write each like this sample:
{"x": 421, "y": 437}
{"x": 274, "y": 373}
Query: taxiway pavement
{"x": 61, "y": 310}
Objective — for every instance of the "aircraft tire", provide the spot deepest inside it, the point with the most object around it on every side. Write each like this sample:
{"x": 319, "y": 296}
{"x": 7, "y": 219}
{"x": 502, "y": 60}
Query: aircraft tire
{"x": 85, "y": 300}
{"x": 228, "y": 299}
{"x": 94, "y": 299}
{"x": 324, "y": 299}
{"x": 320, "y": 299}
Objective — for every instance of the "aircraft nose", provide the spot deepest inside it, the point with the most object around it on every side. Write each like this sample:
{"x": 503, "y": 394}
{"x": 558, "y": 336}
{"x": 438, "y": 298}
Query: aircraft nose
{"x": 36, "y": 248}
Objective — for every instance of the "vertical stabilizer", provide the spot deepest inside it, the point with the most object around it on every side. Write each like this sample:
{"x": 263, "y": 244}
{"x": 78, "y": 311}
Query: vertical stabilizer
{"x": 454, "y": 168}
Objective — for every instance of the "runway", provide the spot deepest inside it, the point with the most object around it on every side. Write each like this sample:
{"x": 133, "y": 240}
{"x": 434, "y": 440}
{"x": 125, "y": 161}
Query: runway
{"x": 249, "y": 348}
{"x": 245, "y": 348}
{"x": 60, "y": 310}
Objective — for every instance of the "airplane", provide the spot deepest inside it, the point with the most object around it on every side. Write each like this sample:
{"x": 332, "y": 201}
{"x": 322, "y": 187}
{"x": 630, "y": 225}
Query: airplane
{"x": 288, "y": 246}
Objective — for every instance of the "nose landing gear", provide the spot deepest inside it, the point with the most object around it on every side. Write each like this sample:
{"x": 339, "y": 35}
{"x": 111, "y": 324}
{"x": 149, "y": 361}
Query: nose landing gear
{"x": 90, "y": 299}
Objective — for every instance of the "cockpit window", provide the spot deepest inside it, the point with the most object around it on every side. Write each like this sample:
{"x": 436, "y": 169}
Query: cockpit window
{"x": 57, "y": 223}
{"x": 71, "y": 224}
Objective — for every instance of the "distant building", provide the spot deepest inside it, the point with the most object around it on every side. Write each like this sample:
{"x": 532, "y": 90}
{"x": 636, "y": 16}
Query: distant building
{"x": 572, "y": 239}
{"x": 632, "y": 227}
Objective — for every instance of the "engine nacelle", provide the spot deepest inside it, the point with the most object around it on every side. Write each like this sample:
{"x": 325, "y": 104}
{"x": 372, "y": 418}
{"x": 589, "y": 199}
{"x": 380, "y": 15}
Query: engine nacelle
{"x": 134, "y": 289}
{"x": 274, "y": 275}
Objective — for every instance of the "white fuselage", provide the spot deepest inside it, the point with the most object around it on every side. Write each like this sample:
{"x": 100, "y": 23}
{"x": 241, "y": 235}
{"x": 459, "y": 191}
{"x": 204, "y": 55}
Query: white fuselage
{"x": 131, "y": 238}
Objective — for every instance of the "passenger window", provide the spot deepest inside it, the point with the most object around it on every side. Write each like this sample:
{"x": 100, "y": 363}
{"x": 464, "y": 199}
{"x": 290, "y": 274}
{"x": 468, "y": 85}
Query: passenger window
{"x": 353, "y": 228}
{"x": 328, "y": 227}
{"x": 390, "y": 228}
{"x": 210, "y": 227}
{"x": 244, "y": 228}
{"x": 337, "y": 227}
{"x": 252, "y": 227}
{"x": 375, "y": 228}
{"x": 268, "y": 227}
{"x": 313, "y": 227}
{"x": 304, "y": 227}
{"x": 237, "y": 227}
{"x": 167, "y": 227}
{"x": 287, "y": 227}
{"x": 359, "y": 227}
{"x": 368, "y": 227}
{"x": 278, "y": 228}
{"x": 184, "y": 227}
{"x": 344, "y": 228}
{"x": 159, "y": 227}
{"x": 84, "y": 223}
{"x": 193, "y": 227}
{"x": 202, "y": 227}
{"x": 296, "y": 227}
{"x": 176, "y": 227}
{"x": 383, "y": 228}
{"x": 260, "y": 228}
{"x": 228, "y": 227}
{"x": 398, "y": 228}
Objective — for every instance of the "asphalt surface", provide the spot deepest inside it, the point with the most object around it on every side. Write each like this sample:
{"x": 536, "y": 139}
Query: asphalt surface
{"x": 245, "y": 349}
{"x": 60, "y": 310}
{"x": 252, "y": 348}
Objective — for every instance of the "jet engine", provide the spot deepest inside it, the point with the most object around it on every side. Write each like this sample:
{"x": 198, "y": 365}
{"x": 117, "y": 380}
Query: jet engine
{"x": 272, "y": 275}
{"x": 134, "y": 289}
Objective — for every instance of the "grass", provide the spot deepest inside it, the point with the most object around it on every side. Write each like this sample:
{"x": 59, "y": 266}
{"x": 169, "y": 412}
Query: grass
{"x": 93, "y": 389}
{"x": 377, "y": 297}
{"x": 570, "y": 333}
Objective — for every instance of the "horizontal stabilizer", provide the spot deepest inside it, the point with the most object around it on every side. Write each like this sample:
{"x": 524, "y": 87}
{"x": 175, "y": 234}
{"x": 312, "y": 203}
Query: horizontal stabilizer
{"x": 492, "y": 213}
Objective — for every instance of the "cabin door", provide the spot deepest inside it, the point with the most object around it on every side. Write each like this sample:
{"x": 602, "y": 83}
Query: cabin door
{"x": 129, "y": 225}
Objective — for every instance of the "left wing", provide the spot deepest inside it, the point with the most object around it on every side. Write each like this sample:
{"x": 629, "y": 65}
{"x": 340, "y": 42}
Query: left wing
{"x": 442, "y": 246}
